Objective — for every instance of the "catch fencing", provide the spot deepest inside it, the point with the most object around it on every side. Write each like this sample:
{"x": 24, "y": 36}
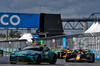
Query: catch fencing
{"x": 84, "y": 41}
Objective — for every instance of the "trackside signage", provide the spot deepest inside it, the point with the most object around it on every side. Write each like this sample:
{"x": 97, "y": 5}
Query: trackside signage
{"x": 64, "y": 42}
{"x": 24, "y": 20}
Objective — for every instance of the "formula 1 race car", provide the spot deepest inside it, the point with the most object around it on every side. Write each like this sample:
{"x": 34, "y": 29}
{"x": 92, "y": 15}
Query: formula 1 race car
{"x": 62, "y": 53}
{"x": 80, "y": 55}
{"x": 33, "y": 54}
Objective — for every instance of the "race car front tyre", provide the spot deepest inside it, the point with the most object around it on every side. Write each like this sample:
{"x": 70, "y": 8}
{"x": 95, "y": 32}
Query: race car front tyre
{"x": 67, "y": 57}
{"x": 91, "y": 59}
{"x": 54, "y": 60}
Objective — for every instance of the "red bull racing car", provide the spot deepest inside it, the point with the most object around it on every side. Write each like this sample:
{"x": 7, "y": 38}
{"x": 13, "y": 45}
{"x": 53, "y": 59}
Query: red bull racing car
{"x": 80, "y": 55}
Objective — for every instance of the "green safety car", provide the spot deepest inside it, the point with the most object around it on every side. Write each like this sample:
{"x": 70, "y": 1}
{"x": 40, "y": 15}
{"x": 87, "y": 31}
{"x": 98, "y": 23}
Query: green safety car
{"x": 33, "y": 54}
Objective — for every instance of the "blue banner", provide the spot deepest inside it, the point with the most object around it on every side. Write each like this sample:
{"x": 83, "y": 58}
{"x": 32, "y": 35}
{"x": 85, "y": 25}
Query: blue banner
{"x": 97, "y": 53}
{"x": 22, "y": 20}
{"x": 64, "y": 42}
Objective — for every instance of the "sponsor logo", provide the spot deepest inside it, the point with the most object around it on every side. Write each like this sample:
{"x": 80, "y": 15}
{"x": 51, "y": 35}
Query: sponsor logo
{"x": 5, "y": 16}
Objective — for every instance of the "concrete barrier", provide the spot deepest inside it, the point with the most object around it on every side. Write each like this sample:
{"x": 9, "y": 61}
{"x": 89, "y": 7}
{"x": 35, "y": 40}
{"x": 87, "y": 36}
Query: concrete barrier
{"x": 4, "y": 60}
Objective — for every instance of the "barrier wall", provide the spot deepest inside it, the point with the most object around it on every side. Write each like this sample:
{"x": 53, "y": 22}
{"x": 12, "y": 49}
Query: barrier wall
{"x": 12, "y": 45}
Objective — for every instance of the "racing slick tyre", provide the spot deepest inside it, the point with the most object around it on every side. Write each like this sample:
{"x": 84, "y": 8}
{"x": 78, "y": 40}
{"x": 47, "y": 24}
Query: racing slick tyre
{"x": 38, "y": 60}
{"x": 67, "y": 57}
{"x": 12, "y": 63}
{"x": 91, "y": 58}
{"x": 58, "y": 54}
{"x": 54, "y": 60}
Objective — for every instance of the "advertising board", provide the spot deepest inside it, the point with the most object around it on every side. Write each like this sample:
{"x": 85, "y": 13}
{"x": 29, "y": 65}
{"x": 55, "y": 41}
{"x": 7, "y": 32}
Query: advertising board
{"x": 22, "y": 20}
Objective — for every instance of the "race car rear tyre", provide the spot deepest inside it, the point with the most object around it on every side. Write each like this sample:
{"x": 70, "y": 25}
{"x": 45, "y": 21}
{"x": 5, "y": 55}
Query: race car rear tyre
{"x": 91, "y": 58}
{"x": 38, "y": 60}
{"x": 54, "y": 60}
{"x": 12, "y": 63}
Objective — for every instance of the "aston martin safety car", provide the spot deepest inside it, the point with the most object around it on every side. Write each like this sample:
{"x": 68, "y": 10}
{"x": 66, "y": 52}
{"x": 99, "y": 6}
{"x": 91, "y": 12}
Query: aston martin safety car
{"x": 80, "y": 55}
{"x": 33, "y": 54}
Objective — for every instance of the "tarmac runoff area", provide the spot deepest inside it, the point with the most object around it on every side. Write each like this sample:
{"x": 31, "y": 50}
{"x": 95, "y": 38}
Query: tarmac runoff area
{"x": 4, "y": 61}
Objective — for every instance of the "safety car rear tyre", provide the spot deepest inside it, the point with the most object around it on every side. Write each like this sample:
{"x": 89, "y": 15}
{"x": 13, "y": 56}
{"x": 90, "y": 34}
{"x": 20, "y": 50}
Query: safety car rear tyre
{"x": 54, "y": 60}
{"x": 38, "y": 60}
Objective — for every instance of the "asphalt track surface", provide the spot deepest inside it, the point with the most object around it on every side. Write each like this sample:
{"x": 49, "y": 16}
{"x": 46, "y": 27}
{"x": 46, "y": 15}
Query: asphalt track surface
{"x": 60, "y": 62}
